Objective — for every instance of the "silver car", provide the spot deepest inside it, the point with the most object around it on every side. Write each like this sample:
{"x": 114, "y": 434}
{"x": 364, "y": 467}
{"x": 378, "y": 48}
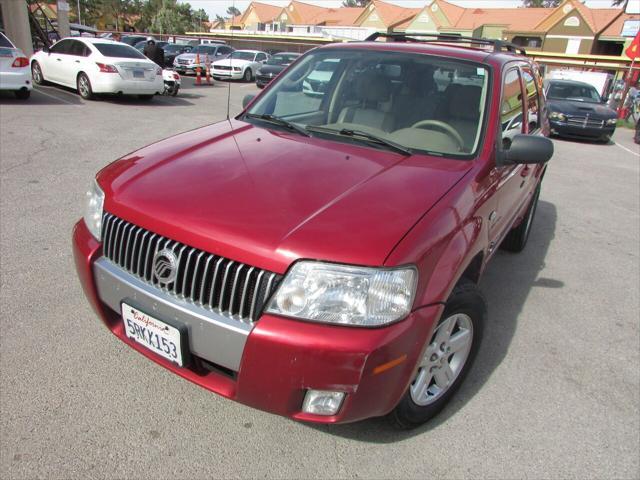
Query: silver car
{"x": 188, "y": 62}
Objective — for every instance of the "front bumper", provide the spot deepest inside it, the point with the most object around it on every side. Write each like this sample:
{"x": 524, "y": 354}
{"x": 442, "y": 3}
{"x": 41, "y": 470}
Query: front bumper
{"x": 113, "y": 83}
{"x": 16, "y": 80}
{"x": 563, "y": 129}
{"x": 227, "y": 74}
{"x": 263, "y": 80}
{"x": 269, "y": 365}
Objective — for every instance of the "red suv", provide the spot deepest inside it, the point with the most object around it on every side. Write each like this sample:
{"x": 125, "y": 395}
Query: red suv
{"x": 318, "y": 255}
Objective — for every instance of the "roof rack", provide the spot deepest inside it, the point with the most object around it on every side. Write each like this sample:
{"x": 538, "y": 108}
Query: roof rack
{"x": 498, "y": 45}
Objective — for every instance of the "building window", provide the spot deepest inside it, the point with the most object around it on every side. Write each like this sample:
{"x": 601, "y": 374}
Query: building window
{"x": 261, "y": 27}
{"x": 572, "y": 22}
{"x": 531, "y": 42}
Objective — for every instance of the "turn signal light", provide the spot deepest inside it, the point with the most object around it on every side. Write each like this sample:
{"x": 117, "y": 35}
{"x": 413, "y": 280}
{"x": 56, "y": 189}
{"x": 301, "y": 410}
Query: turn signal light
{"x": 20, "y": 62}
{"x": 105, "y": 68}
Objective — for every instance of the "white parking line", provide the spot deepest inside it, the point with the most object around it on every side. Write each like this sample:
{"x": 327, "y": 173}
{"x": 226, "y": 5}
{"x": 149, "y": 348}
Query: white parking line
{"x": 54, "y": 97}
{"x": 625, "y": 148}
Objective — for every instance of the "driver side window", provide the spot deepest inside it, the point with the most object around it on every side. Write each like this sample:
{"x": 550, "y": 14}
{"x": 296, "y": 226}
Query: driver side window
{"x": 511, "y": 110}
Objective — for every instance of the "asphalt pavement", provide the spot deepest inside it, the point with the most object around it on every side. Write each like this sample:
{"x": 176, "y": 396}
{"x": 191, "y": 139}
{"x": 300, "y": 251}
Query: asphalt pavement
{"x": 555, "y": 391}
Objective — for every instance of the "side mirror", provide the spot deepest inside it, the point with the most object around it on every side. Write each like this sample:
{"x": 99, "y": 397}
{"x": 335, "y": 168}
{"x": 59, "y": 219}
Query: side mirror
{"x": 247, "y": 100}
{"x": 527, "y": 149}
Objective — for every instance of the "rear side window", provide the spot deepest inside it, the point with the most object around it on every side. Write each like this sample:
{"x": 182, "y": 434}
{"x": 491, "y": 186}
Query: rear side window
{"x": 533, "y": 102}
{"x": 79, "y": 49}
{"x": 118, "y": 50}
{"x": 511, "y": 112}
{"x": 4, "y": 41}
{"x": 62, "y": 47}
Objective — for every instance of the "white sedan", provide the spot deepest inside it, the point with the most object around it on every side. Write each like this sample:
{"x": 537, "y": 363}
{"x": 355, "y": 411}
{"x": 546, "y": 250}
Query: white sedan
{"x": 96, "y": 65}
{"x": 240, "y": 65}
{"x": 14, "y": 69}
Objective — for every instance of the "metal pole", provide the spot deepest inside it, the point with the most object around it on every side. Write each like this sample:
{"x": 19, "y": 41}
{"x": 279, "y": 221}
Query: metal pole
{"x": 79, "y": 14}
{"x": 627, "y": 85}
{"x": 63, "y": 19}
{"x": 18, "y": 29}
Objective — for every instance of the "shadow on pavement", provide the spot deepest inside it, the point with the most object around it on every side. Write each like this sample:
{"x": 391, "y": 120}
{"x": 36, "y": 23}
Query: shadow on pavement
{"x": 39, "y": 98}
{"x": 506, "y": 284}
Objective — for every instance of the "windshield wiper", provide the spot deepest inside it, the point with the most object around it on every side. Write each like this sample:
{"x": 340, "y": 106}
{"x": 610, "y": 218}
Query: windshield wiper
{"x": 370, "y": 137}
{"x": 279, "y": 121}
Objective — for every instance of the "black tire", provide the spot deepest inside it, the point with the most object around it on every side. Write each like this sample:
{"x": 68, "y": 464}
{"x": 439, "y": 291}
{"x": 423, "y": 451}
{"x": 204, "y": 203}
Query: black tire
{"x": 175, "y": 91}
{"x": 259, "y": 86}
{"x": 466, "y": 299}
{"x": 248, "y": 75}
{"x": 36, "y": 74}
{"x": 22, "y": 94}
{"x": 516, "y": 239}
{"x": 83, "y": 84}
{"x": 146, "y": 98}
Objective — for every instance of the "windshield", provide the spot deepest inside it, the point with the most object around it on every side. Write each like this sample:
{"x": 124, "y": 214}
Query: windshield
{"x": 118, "y": 50}
{"x": 203, "y": 49}
{"x": 573, "y": 91}
{"x": 282, "y": 59}
{"x": 419, "y": 102}
{"x": 240, "y": 55}
{"x": 172, "y": 48}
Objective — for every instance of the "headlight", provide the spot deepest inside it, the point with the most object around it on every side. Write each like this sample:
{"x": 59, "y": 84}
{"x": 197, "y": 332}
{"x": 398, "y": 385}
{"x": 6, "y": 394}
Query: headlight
{"x": 93, "y": 210}
{"x": 343, "y": 294}
{"x": 236, "y": 69}
{"x": 557, "y": 116}
{"x": 612, "y": 121}
{"x": 258, "y": 72}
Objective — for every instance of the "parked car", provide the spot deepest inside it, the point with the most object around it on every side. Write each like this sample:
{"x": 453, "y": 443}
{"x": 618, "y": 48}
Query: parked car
{"x": 140, "y": 45}
{"x": 240, "y": 65}
{"x": 172, "y": 50}
{"x": 318, "y": 257}
{"x": 576, "y": 110}
{"x": 318, "y": 79}
{"x": 272, "y": 67}
{"x": 95, "y": 65}
{"x": 15, "y": 74}
{"x": 133, "y": 39}
{"x": 186, "y": 62}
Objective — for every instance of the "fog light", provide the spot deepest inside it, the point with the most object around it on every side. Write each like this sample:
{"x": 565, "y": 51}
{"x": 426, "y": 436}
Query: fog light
{"x": 322, "y": 402}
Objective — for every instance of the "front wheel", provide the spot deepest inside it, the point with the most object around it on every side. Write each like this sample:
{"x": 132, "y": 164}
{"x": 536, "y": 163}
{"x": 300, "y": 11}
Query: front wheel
{"x": 175, "y": 91}
{"x": 248, "y": 75}
{"x": 446, "y": 358}
{"x": 84, "y": 87}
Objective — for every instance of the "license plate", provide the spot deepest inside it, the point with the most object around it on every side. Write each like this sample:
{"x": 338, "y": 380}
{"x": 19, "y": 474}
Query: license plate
{"x": 152, "y": 333}
{"x": 138, "y": 74}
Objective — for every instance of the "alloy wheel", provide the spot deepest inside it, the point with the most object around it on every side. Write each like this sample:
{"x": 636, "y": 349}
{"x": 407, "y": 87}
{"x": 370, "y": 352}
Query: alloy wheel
{"x": 443, "y": 360}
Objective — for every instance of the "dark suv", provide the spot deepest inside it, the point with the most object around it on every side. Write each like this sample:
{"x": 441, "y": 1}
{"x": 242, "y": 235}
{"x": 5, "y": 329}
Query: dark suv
{"x": 318, "y": 256}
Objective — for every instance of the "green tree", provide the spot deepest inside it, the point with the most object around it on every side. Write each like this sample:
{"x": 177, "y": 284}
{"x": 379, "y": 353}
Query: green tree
{"x": 355, "y": 3}
{"x": 233, "y": 11}
{"x": 221, "y": 20}
{"x": 541, "y": 3}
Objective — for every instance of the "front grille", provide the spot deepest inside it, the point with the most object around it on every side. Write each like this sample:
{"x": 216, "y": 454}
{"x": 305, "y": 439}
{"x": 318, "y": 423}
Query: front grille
{"x": 233, "y": 289}
{"x": 222, "y": 67}
{"x": 183, "y": 62}
{"x": 582, "y": 121}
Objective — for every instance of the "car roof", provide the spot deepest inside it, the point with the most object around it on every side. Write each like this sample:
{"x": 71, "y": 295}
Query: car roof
{"x": 250, "y": 51}
{"x": 479, "y": 55}
{"x": 286, "y": 53}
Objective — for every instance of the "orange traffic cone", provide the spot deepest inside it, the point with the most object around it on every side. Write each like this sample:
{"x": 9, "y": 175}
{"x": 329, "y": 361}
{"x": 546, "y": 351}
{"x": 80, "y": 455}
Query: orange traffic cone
{"x": 207, "y": 68}
{"x": 198, "y": 79}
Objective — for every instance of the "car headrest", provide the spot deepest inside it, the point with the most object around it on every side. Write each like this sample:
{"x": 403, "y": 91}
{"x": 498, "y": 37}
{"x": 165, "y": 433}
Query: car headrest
{"x": 373, "y": 88}
{"x": 465, "y": 103}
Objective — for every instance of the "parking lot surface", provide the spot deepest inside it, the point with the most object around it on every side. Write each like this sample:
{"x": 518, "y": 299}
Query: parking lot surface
{"x": 554, "y": 392}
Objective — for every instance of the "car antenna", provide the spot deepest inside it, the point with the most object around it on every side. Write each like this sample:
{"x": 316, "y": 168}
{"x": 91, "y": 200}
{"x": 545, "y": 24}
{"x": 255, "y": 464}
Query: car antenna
{"x": 233, "y": 18}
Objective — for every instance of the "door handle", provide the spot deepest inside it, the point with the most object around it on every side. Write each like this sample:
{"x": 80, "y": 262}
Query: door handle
{"x": 77, "y": 61}
{"x": 59, "y": 59}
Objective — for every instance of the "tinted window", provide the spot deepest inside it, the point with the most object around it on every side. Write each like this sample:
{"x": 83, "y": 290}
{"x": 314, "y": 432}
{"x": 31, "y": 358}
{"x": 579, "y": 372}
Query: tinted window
{"x": 132, "y": 39}
{"x": 79, "y": 49}
{"x": 62, "y": 46}
{"x": 4, "y": 41}
{"x": 511, "y": 112}
{"x": 204, "y": 49}
{"x": 533, "y": 103}
{"x": 261, "y": 57}
{"x": 173, "y": 48}
{"x": 118, "y": 50}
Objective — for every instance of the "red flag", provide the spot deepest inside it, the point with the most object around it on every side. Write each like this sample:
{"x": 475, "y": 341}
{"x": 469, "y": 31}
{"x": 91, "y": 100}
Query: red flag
{"x": 633, "y": 50}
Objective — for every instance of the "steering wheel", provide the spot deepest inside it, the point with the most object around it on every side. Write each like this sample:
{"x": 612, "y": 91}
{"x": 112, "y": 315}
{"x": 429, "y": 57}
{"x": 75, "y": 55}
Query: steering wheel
{"x": 443, "y": 127}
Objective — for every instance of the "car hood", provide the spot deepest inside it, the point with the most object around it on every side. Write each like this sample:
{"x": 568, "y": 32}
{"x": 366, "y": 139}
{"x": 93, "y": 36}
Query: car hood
{"x": 576, "y": 107}
{"x": 234, "y": 62}
{"x": 269, "y": 197}
{"x": 274, "y": 69}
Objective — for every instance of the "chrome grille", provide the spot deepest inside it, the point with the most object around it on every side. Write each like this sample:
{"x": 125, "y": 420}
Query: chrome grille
{"x": 583, "y": 121}
{"x": 222, "y": 67}
{"x": 230, "y": 288}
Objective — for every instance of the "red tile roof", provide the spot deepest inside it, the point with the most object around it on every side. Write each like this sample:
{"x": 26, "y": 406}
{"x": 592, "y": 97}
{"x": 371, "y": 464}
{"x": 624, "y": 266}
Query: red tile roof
{"x": 392, "y": 15}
